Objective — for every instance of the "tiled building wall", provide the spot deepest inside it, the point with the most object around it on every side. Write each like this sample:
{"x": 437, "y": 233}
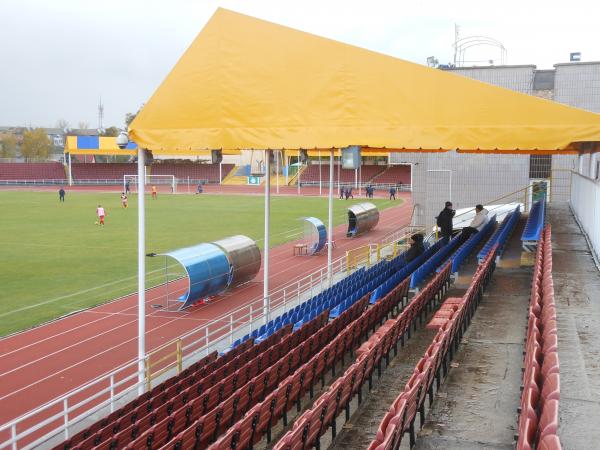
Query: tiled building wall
{"x": 578, "y": 85}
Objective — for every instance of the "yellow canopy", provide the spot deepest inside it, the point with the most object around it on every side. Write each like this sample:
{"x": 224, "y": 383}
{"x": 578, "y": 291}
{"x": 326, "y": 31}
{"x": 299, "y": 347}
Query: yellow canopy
{"x": 247, "y": 83}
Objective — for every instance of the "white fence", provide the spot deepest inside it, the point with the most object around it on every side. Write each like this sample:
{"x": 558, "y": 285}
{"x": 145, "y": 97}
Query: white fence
{"x": 585, "y": 203}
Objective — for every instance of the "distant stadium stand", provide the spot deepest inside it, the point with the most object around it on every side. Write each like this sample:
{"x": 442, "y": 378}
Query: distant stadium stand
{"x": 102, "y": 171}
{"x": 311, "y": 174}
{"x": 399, "y": 174}
{"x": 53, "y": 172}
{"x": 195, "y": 172}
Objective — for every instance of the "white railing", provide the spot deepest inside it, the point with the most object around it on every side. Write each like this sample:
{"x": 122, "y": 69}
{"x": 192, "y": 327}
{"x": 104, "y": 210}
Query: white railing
{"x": 585, "y": 203}
{"x": 384, "y": 187}
{"x": 67, "y": 414}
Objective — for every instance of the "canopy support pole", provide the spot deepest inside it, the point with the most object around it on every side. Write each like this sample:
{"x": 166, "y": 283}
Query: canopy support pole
{"x": 141, "y": 273}
{"x": 266, "y": 299}
{"x": 320, "y": 176}
{"x": 298, "y": 176}
{"x": 330, "y": 218}
{"x": 70, "y": 171}
{"x": 277, "y": 169}
{"x": 339, "y": 179}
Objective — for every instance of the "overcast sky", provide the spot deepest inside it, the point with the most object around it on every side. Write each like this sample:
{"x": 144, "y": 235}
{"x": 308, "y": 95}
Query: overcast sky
{"x": 59, "y": 57}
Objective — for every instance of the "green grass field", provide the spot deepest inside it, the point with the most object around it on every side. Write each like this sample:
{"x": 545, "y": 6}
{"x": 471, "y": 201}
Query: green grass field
{"x": 55, "y": 260}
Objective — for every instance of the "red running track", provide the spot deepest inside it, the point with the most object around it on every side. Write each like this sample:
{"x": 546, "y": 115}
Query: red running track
{"x": 41, "y": 364}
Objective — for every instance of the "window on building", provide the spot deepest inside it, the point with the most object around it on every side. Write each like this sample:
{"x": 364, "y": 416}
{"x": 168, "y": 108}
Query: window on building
{"x": 540, "y": 166}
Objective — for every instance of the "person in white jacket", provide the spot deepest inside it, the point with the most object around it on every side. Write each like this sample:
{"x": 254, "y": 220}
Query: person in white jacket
{"x": 477, "y": 224}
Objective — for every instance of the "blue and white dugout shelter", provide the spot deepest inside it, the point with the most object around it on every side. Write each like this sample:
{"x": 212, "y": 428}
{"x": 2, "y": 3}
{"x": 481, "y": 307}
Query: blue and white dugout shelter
{"x": 214, "y": 267}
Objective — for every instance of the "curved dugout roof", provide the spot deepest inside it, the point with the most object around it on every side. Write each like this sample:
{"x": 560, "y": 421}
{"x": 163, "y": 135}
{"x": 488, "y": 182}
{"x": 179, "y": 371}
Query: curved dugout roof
{"x": 320, "y": 234}
{"x": 248, "y": 83}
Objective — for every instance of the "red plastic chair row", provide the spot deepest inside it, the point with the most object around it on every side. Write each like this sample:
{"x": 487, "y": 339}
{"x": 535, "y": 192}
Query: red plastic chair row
{"x": 200, "y": 375}
{"x": 339, "y": 337}
{"x": 197, "y": 395}
{"x": 453, "y": 317}
{"x": 315, "y": 421}
{"x": 538, "y": 411}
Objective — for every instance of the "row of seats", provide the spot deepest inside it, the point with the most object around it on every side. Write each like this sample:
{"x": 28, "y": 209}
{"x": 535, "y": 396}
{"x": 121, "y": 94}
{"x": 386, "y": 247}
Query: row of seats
{"x": 311, "y": 173}
{"x": 451, "y": 321}
{"x": 501, "y": 235}
{"x": 314, "y": 422}
{"x": 345, "y": 342}
{"x": 203, "y": 398}
{"x": 474, "y": 240}
{"x": 100, "y": 171}
{"x": 535, "y": 224}
{"x": 538, "y": 413}
{"x": 404, "y": 271}
{"x": 397, "y": 174}
{"x": 334, "y": 340}
{"x": 338, "y": 297}
{"x": 32, "y": 171}
{"x": 206, "y": 372}
{"x": 435, "y": 262}
{"x": 196, "y": 172}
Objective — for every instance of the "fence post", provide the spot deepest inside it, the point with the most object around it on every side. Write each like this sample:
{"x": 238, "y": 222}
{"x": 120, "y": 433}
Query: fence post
{"x": 179, "y": 356}
{"x": 206, "y": 338}
{"x": 311, "y": 286}
{"x": 13, "y": 432}
{"x": 251, "y": 319}
{"x": 230, "y": 329}
{"x": 112, "y": 392}
{"x": 66, "y": 416}
{"x": 148, "y": 374}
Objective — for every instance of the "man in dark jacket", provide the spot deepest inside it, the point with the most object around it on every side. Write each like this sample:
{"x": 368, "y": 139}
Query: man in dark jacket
{"x": 416, "y": 248}
{"x": 444, "y": 220}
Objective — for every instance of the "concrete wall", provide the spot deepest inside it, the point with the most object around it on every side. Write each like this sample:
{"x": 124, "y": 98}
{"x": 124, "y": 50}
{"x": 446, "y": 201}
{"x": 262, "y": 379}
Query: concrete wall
{"x": 475, "y": 179}
{"x": 515, "y": 78}
{"x": 578, "y": 85}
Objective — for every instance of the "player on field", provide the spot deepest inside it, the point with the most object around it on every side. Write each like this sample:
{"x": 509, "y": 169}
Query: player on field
{"x": 123, "y": 199}
{"x": 154, "y": 192}
{"x": 100, "y": 213}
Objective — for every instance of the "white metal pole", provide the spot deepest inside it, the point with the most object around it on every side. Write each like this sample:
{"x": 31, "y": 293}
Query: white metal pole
{"x": 330, "y": 218}
{"x": 320, "y": 176}
{"x": 141, "y": 273}
{"x": 355, "y": 178}
{"x": 339, "y": 179}
{"x": 298, "y": 173}
{"x": 287, "y": 169}
{"x": 221, "y": 173}
{"x": 277, "y": 169}
{"x": 70, "y": 171}
{"x": 266, "y": 300}
{"x": 359, "y": 177}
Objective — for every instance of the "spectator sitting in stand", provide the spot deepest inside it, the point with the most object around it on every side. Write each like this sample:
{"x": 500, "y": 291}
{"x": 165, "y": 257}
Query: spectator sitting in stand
{"x": 416, "y": 248}
{"x": 476, "y": 225}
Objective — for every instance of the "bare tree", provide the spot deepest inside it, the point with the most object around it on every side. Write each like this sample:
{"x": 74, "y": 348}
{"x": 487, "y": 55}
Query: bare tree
{"x": 62, "y": 124}
{"x": 83, "y": 125}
